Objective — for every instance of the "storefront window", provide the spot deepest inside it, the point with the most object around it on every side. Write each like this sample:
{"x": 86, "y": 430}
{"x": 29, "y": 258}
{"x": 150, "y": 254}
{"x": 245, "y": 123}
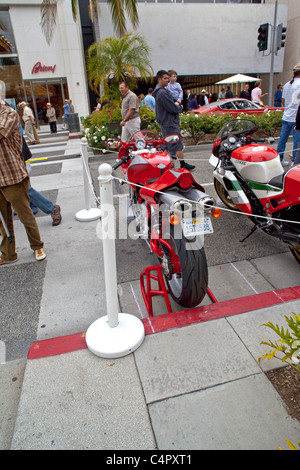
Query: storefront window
{"x": 10, "y": 71}
{"x": 37, "y": 93}
{"x": 7, "y": 41}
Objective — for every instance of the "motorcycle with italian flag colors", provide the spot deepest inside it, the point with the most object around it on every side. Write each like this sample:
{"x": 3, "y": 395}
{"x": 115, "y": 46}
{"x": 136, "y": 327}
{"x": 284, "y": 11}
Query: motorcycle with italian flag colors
{"x": 248, "y": 177}
{"x": 170, "y": 209}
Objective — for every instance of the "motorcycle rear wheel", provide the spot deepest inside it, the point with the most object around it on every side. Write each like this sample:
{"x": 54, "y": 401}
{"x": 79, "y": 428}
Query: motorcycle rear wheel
{"x": 188, "y": 288}
{"x": 224, "y": 195}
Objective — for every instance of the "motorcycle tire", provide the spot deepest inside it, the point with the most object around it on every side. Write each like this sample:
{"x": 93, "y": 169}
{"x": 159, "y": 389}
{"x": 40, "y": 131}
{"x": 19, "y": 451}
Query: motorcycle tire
{"x": 224, "y": 195}
{"x": 190, "y": 286}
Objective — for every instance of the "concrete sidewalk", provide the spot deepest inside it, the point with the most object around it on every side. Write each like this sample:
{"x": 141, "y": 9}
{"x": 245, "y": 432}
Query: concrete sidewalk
{"x": 194, "y": 383}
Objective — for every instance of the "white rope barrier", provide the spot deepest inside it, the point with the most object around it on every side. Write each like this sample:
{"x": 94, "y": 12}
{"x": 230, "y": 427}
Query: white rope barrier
{"x": 226, "y": 209}
{"x": 211, "y": 206}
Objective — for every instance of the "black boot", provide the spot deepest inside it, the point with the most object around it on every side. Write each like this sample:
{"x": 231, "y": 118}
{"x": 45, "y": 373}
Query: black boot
{"x": 187, "y": 166}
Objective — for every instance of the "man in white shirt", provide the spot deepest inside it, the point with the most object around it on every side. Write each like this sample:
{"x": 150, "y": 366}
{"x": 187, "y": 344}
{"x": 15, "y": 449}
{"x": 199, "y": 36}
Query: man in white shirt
{"x": 290, "y": 101}
{"x": 28, "y": 119}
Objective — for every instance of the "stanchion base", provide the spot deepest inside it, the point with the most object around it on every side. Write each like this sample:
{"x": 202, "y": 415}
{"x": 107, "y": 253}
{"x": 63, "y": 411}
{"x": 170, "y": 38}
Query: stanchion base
{"x": 87, "y": 215}
{"x": 108, "y": 342}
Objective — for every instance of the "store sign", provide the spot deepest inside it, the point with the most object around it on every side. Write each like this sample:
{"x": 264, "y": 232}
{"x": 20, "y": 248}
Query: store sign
{"x": 38, "y": 67}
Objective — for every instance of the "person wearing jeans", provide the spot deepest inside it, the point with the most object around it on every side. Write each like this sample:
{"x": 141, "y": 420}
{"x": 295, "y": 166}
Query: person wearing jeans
{"x": 290, "y": 100}
{"x": 45, "y": 205}
{"x": 286, "y": 129}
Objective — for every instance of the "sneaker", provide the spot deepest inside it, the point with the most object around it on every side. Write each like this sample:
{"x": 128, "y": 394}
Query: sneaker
{"x": 56, "y": 215}
{"x": 40, "y": 254}
{"x": 283, "y": 163}
{"x": 187, "y": 166}
{"x": 7, "y": 261}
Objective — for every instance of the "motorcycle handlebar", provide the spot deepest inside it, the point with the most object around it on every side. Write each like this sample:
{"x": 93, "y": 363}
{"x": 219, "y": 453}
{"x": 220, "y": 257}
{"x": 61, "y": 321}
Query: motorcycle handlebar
{"x": 120, "y": 162}
{"x": 269, "y": 140}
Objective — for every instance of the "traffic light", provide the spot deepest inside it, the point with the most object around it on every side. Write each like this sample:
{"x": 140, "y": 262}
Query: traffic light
{"x": 263, "y": 33}
{"x": 280, "y": 39}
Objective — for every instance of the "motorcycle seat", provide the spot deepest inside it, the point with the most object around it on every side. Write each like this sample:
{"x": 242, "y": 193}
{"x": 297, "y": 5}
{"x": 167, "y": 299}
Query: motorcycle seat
{"x": 277, "y": 181}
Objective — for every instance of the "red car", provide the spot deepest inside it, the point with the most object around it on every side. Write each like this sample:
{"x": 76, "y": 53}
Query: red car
{"x": 233, "y": 106}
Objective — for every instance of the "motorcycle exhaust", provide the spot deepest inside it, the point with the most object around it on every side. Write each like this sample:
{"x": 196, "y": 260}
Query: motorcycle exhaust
{"x": 185, "y": 203}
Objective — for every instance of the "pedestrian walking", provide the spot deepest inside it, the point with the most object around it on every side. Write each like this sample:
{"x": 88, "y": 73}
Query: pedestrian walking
{"x": 14, "y": 186}
{"x": 38, "y": 200}
{"x": 66, "y": 114}
{"x": 51, "y": 115}
{"x": 29, "y": 123}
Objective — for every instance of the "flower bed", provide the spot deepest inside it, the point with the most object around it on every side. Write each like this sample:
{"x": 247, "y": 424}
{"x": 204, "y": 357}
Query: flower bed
{"x": 195, "y": 129}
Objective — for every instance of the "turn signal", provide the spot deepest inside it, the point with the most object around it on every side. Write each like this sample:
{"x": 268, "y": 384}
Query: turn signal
{"x": 216, "y": 213}
{"x": 174, "y": 219}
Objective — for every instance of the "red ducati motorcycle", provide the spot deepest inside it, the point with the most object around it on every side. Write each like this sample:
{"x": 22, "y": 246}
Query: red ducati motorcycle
{"x": 249, "y": 177}
{"x": 171, "y": 210}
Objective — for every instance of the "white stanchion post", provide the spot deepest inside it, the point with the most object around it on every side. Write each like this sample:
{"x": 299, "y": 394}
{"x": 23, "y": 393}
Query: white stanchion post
{"x": 89, "y": 213}
{"x": 115, "y": 334}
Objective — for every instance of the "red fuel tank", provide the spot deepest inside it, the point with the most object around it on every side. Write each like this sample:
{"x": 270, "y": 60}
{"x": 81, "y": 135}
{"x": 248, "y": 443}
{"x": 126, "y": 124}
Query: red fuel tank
{"x": 254, "y": 153}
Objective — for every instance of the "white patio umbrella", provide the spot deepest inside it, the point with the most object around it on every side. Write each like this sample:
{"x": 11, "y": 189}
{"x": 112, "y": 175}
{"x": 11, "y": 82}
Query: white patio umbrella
{"x": 238, "y": 78}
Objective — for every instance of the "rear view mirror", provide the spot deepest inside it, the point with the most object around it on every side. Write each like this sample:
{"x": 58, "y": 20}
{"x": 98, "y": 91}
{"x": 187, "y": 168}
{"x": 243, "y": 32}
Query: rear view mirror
{"x": 171, "y": 139}
{"x": 113, "y": 144}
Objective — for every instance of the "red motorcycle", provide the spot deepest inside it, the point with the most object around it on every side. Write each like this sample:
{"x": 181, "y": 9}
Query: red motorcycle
{"x": 170, "y": 209}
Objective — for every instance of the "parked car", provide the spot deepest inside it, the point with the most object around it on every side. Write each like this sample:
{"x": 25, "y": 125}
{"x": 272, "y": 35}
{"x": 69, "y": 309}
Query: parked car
{"x": 234, "y": 106}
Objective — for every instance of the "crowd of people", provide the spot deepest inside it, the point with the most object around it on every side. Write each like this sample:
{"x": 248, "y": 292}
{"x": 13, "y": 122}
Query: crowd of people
{"x": 48, "y": 114}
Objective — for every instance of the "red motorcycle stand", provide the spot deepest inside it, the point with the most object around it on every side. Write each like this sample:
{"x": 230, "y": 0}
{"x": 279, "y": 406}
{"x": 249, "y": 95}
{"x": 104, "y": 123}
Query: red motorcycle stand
{"x": 162, "y": 290}
{"x": 150, "y": 292}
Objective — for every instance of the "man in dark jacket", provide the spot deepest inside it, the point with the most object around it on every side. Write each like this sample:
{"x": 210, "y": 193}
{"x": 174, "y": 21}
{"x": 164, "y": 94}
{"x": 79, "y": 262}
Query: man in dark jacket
{"x": 167, "y": 115}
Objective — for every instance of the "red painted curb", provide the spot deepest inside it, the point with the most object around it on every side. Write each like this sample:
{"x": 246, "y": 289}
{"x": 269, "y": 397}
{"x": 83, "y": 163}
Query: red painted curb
{"x": 159, "y": 323}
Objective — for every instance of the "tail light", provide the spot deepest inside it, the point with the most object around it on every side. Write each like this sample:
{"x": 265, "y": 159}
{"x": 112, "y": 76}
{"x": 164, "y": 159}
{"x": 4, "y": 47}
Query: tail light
{"x": 185, "y": 181}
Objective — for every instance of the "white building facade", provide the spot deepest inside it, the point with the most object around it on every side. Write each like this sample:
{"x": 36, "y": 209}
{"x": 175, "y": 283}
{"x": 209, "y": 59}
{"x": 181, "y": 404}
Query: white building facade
{"x": 36, "y": 71}
{"x": 204, "y": 41}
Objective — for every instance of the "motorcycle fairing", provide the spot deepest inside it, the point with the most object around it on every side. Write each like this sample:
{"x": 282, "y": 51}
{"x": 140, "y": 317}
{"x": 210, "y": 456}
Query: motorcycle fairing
{"x": 168, "y": 179}
{"x": 273, "y": 198}
{"x": 145, "y": 164}
{"x": 229, "y": 181}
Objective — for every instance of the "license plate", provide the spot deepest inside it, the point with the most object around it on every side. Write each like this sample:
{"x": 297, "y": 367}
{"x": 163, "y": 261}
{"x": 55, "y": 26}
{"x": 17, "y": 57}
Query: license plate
{"x": 200, "y": 226}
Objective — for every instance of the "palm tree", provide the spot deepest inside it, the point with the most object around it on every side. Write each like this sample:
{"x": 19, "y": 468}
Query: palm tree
{"x": 118, "y": 9}
{"x": 115, "y": 59}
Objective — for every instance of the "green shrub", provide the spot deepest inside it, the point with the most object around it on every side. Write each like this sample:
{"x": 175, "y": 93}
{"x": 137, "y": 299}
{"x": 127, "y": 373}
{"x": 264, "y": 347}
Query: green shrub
{"x": 288, "y": 344}
{"x": 191, "y": 125}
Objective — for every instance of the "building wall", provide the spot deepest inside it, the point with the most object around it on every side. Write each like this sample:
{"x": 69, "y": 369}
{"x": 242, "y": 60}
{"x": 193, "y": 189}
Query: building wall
{"x": 65, "y": 51}
{"x": 200, "y": 38}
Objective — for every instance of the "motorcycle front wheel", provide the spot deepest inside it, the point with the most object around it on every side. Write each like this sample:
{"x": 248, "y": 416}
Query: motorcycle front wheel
{"x": 188, "y": 288}
{"x": 224, "y": 195}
